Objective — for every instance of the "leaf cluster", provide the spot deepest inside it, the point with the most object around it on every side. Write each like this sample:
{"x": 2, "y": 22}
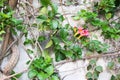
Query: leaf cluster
{"x": 95, "y": 45}
{"x": 93, "y": 70}
{"x": 42, "y": 69}
{"x": 108, "y": 30}
{"x": 105, "y": 6}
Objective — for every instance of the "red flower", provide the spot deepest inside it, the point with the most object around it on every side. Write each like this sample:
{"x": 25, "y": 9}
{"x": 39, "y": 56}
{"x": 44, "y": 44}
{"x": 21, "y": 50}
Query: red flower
{"x": 81, "y": 32}
{"x": 84, "y": 33}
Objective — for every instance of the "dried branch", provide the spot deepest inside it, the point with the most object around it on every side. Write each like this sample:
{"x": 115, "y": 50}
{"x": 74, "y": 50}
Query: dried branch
{"x": 113, "y": 53}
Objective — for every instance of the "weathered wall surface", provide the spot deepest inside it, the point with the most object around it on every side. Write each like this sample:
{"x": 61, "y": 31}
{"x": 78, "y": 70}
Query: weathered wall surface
{"x": 71, "y": 70}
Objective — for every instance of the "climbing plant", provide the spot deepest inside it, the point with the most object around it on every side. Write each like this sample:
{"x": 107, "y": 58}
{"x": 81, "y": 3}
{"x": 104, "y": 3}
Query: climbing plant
{"x": 65, "y": 42}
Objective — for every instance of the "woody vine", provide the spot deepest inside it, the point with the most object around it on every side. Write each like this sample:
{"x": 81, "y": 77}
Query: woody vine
{"x": 66, "y": 42}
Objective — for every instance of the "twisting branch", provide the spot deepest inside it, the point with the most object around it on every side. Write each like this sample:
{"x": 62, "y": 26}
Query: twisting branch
{"x": 5, "y": 43}
{"x": 13, "y": 60}
{"x": 13, "y": 3}
{"x": 35, "y": 54}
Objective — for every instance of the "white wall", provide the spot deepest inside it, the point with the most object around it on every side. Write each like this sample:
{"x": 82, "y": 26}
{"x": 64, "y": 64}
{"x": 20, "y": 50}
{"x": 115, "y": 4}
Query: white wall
{"x": 74, "y": 70}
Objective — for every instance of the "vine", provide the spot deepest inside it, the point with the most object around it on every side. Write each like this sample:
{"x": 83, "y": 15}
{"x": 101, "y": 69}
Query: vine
{"x": 47, "y": 35}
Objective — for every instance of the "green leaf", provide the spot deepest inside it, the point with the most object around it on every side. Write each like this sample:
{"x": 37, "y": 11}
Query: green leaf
{"x": 42, "y": 76}
{"x": 117, "y": 25}
{"x": 32, "y": 73}
{"x": 61, "y": 18}
{"x": 59, "y": 56}
{"x": 49, "y": 69}
{"x": 13, "y": 78}
{"x": 48, "y": 59}
{"x": 95, "y": 75}
{"x": 89, "y": 75}
{"x": 76, "y": 48}
{"x": 42, "y": 17}
{"x": 119, "y": 59}
{"x": 113, "y": 77}
{"x": 49, "y": 44}
{"x": 89, "y": 67}
{"x": 17, "y": 76}
{"x": 54, "y": 24}
{"x": 67, "y": 26}
{"x": 13, "y": 31}
{"x": 110, "y": 65}
{"x": 45, "y": 2}
{"x": 2, "y": 32}
{"x": 68, "y": 53}
{"x": 5, "y": 15}
{"x": 63, "y": 34}
{"x": 118, "y": 76}
{"x": 54, "y": 78}
{"x": 17, "y": 22}
{"x": 29, "y": 51}
{"x": 19, "y": 27}
{"x": 43, "y": 11}
{"x": 92, "y": 62}
{"x": 27, "y": 41}
{"x": 108, "y": 15}
{"x": 1, "y": 38}
{"x": 99, "y": 68}
{"x": 54, "y": 8}
{"x": 76, "y": 17}
{"x": 56, "y": 40}
{"x": 1, "y": 3}
{"x": 41, "y": 38}
{"x": 50, "y": 14}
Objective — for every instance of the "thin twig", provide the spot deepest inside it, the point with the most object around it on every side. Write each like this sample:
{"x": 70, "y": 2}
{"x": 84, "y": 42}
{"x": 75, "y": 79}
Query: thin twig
{"x": 40, "y": 47}
{"x": 26, "y": 51}
{"x": 8, "y": 77}
{"x": 114, "y": 19}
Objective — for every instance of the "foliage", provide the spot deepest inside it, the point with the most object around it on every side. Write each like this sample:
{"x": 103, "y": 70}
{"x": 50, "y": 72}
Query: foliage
{"x": 66, "y": 42}
{"x": 93, "y": 70}
{"x": 109, "y": 31}
{"x": 44, "y": 71}
{"x": 110, "y": 65}
{"x": 8, "y": 21}
{"x": 95, "y": 45}
{"x": 105, "y": 6}
{"x": 51, "y": 20}
{"x": 117, "y": 77}
{"x": 15, "y": 77}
